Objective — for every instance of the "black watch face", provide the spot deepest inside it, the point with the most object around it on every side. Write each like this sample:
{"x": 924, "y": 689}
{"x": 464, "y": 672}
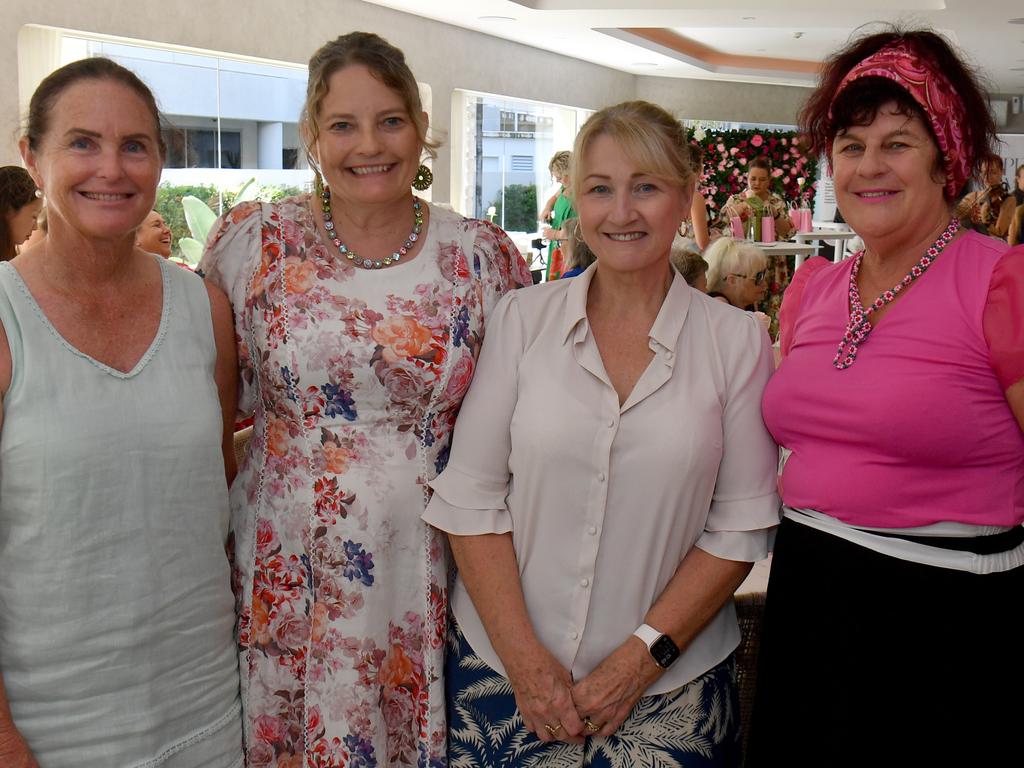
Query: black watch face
{"x": 664, "y": 651}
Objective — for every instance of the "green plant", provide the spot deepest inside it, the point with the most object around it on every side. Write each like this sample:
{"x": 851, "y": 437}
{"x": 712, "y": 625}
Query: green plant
{"x": 190, "y": 211}
{"x": 520, "y": 208}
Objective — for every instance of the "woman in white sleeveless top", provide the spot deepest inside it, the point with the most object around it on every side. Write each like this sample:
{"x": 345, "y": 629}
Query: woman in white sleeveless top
{"x": 116, "y": 372}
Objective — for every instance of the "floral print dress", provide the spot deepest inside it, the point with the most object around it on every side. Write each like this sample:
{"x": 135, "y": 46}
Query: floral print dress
{"x": 354, "y": 378}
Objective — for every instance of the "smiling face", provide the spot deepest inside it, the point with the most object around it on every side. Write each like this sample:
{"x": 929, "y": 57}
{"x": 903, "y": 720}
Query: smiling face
{"x": 22, "y": 221}
{"x": 154, "y": 236}
{"x": 628, "y": 217}
{"x": 885, "y": 178}
{"x": 368, "y": 148}
{"x": 99, "y": 161}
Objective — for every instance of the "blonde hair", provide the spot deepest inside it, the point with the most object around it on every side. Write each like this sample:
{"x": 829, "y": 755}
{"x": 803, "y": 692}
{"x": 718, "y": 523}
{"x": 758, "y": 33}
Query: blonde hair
{"x": 385, "y": 61}
{"x": 727, "y": 257}
{"x": 650, "y": 136}
{"x": 559, "y": 165}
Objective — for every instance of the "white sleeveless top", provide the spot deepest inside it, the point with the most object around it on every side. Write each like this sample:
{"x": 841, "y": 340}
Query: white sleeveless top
{"x": 116, "y": 614}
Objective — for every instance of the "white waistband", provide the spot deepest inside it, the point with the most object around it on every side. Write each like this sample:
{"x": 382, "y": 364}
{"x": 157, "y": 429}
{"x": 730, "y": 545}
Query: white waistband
{"x": 913, "y": 551}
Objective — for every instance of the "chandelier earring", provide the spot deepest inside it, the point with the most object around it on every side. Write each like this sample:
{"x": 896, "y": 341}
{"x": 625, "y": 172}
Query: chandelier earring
{"x": 423, "y": 179}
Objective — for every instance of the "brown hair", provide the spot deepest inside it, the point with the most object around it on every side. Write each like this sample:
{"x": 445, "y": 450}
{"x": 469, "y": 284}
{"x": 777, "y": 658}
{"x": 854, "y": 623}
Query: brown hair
{"x": 655, "y": 140}
{"x": 688, "y": 263}
{"x": 825, "y": 115}
{"x": 385, "y": 61}
{"x": 96, "y": 68}
{"x": 16, "y": 191}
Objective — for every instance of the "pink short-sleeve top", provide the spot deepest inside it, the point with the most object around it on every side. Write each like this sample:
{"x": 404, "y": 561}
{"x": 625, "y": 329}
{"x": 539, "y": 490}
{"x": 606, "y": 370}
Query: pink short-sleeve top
{"x": 918, "y": 430}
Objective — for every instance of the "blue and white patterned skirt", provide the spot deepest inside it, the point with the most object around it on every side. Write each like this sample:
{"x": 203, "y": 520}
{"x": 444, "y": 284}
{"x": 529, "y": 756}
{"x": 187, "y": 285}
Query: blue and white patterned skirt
{"x": 694, "y": 726}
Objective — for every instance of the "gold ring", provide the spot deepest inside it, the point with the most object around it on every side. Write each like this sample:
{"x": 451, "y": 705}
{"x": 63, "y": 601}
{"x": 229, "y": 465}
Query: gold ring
{"x": 553, "y": 729}
{"x": 590, "y": 725}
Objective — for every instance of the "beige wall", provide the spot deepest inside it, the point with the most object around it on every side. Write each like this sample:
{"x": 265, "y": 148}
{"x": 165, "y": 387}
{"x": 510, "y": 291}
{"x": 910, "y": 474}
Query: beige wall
{"x": 717, "y": 100}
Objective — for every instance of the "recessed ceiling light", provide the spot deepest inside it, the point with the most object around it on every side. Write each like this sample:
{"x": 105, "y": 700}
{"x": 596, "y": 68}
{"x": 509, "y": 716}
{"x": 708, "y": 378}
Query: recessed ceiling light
{"x": 495, "y": 18}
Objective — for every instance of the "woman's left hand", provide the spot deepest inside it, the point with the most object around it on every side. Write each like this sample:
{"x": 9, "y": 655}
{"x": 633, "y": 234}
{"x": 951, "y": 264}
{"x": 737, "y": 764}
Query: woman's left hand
{"x": 607, "y": 695}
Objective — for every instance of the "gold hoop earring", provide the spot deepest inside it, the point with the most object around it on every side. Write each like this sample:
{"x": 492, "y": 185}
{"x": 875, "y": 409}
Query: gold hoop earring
{"x": 423, "y": 179}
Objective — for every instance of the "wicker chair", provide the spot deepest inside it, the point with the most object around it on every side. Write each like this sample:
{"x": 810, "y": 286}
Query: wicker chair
{"x": 749, "y": 611}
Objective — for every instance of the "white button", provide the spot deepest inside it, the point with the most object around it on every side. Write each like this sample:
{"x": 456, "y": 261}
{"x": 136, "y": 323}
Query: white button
{"x": 600, "y": 477}
{"x": 669, "y": 355}
{"x": 584, "y": 582}
{"x": 592, "y": 530}
{"x": 611, "y": 422}
{"x": 574, "y": 635}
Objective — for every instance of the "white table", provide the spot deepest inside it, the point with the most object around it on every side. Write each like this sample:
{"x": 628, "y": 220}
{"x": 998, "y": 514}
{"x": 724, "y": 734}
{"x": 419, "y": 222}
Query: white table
{"x": 817, "y": 235}
{"x": 785, "y": 248}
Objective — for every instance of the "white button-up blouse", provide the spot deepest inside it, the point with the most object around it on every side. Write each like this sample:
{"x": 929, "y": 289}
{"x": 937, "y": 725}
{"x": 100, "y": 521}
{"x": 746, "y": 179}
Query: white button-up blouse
{"x": 604, "y": 501}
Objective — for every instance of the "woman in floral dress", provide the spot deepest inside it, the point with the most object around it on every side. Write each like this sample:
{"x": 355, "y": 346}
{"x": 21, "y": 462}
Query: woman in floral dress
{"x": 354, "y": 367}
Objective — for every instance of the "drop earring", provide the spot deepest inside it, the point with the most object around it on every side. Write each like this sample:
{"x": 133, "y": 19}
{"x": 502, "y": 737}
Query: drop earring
{"x": 424, "y": 178}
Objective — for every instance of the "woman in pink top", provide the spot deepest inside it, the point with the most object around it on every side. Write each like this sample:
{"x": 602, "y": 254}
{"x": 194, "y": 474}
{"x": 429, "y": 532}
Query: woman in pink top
{"x": 897, "y": 569}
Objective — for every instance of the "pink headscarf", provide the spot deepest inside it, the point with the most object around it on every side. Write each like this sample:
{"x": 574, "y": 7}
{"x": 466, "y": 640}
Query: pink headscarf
{"x": 934, "y": 94}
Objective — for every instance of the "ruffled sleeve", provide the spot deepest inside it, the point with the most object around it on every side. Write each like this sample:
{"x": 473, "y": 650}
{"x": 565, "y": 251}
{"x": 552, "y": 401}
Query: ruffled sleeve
{"x": 502, "y": 267}
{"x": 1003, "y": 318}
{"x": 470, "y": 494}
{"x": 790, "y": 309}
{"x": 745, "y": 506}
{"x": 233, "y": 251}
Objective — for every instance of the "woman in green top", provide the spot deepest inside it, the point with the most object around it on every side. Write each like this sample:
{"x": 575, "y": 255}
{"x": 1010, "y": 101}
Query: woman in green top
{"x": 557, "y": 210}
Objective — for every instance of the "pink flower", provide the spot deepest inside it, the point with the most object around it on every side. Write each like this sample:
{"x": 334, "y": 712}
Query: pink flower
{"x": 757, "y": 140}
{"x": 776, "y": 173}
{"x": 401, "y": 385}
{"x": 461, "y": 376}
{"x": 268, "y": 729}
{"x": 261, "y": 755}
{"x": 267, "y": 543}
{"x": 290, "y": 630}
{"x": 733, "y": 151}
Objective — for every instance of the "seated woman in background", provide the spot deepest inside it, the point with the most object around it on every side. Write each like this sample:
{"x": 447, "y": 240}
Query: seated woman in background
{"x": 591, "y": 629}
{"x": 117, "y": 376}
{"x": 20, "y": 203}
{"x": 989, "y": 209}
{"x": 757, "y": 197}
{"x": 691, "y": 266}
{"x": 154, "y": 236}
{"x": 737, "y": 272}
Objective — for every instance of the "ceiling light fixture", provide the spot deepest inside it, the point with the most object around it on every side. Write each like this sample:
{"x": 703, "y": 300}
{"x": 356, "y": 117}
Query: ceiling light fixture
{"x": 1016, "y": 21}
{"x": 750, "y": 18}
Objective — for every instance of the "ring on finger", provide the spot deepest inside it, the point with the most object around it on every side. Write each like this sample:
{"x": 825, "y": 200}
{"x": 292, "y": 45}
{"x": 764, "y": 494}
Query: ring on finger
{"x": 553, "y": 729}
{"x": 590, "y": 725}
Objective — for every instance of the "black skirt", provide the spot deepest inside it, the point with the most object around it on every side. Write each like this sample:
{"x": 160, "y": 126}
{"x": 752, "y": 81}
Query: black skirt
{"x": 869, "y": 660}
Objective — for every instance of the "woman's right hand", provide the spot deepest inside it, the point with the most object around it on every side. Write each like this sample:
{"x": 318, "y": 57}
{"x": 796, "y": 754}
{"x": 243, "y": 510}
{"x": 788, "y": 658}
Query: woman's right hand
{"x": 543, "y": 691}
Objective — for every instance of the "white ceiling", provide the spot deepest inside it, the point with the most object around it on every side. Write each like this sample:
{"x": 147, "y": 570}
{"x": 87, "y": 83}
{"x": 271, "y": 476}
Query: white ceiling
{"x": 804, "y": 30}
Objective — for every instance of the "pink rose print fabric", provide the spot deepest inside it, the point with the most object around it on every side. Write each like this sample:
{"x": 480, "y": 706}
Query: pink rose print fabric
{"x": 354, "y": 378}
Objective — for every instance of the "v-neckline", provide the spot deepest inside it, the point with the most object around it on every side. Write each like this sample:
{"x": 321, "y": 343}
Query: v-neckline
{"x": 115, "y": 372}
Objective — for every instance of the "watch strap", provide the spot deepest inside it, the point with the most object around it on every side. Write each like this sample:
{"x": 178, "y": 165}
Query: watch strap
{"x": 648, "y": 634}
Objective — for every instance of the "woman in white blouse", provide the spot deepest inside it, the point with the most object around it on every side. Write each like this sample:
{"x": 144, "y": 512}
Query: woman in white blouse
{"x": 609, "y": 486}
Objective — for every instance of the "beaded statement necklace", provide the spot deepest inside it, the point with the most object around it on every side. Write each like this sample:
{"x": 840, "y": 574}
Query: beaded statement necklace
{"x": 859, "y": 325}
{"x": 359, "y": 261}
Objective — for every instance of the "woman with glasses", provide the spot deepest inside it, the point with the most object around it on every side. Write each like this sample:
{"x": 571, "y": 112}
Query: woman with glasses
{"x": 737, "y": 272}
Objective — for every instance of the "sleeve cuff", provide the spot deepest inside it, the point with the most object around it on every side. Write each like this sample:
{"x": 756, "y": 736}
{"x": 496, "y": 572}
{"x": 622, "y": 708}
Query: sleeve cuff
{"x": 466, "y": 506}
{"x": 739, "y": 546}
{"x": 744, "y": 514}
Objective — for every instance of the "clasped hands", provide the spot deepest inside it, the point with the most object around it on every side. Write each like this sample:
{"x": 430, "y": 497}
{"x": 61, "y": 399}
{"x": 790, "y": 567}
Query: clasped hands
{"x": 557, "y": 708}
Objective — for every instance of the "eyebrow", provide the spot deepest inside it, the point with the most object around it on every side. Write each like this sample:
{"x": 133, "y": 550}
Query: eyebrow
{"x": 95, "y": 135}
{"x": 638, "y": 174}
{"x": 382, "y": 113}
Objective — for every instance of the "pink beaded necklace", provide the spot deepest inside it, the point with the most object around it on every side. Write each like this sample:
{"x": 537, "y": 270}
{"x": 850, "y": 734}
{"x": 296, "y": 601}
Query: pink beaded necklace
{"x": 859, "y": 325}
